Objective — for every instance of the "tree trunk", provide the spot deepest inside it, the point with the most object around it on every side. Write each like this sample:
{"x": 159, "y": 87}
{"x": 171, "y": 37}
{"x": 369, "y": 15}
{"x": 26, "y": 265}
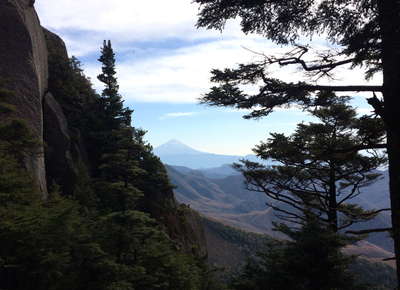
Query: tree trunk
{"x": 389, "y": 12}
{"x": 332, "y": 211}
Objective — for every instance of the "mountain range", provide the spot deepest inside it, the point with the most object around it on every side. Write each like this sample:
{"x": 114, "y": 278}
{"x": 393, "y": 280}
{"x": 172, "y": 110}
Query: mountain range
{"x": 219, "y": 192}
{"x": 208, "y": 184}
{"x": 227, "y": 200}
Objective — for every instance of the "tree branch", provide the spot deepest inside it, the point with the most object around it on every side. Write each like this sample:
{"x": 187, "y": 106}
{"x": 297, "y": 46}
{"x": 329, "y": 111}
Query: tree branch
{"x": 377, "y": 105}
{"x": 322, "y": 66}
{"x": 306, "y": 67}
{"x": 363, "y": 232}
{"x": 381, "y": 210}
{"x": 359, "y": 88}
{"x": 362, "y": 147}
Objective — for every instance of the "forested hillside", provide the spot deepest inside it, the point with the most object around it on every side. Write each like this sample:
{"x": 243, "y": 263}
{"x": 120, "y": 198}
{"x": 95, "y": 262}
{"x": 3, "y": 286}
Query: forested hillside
{"x": 227, "y": 199}
{"x": 230, "y": 248}
{"x": 84, "y": 202}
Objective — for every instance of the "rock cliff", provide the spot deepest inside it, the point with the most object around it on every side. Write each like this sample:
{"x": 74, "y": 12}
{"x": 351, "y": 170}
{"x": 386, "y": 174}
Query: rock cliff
{"x": 24, "y": 70}
{"x": 65, "y": 150}
{"x": 30, "y": 55}
{"x": 25, "y": 48}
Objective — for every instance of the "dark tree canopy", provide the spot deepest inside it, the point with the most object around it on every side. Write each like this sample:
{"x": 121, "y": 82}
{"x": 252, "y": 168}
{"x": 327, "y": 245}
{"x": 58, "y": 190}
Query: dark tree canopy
{"x": 352, "y": 24}
{"x": 100, "y": 235}
{"x": 311, "y": 260}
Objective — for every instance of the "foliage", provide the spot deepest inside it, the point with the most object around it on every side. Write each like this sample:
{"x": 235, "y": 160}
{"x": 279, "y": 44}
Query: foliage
{"x": 139, "y": 247}
{"x": 344, "y": 22}
{"x": 247, "y": 241}
{"x": 319, "y": 169}
{"x": 377, "y": 275}
{"x": 101, "y": 237}
{"x": 251, "y": 273}
{"x": 352, "y": 27}
{"x": 310, "y": 260}
{"x": 36, "y": 236}
{"x": 359, "y": 33}
{"x": 16, "y": 139}
{"x": 114, "y": 113}
{"x": 127, "y": 170}
{"x": 72, "y": 89}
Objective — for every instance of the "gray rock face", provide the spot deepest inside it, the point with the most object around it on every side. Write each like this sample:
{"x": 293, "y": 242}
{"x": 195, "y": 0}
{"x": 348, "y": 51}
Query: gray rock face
{"x": 24, "y": 70}
{"x": 55, "y": 45}
{"x": 65, "y": 152}
{"x": 59, "y": 163}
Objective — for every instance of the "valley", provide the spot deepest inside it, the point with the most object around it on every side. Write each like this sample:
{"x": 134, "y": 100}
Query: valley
{"x": 219, "y": 193}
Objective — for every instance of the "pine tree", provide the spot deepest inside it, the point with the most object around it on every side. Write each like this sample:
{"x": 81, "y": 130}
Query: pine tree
{"x": 100, "y": 237}
{"x": 319, "y": 170}
{"x": 115, "y": 113}
{"x": 310, "y": 260}
{"x": 37, "y": 237}
{"x": 141, "y": 256}
{"x": 108, "y": 113}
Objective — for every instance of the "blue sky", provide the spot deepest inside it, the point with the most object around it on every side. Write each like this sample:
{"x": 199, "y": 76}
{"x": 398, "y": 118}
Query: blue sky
{"x": 164, "y": 66}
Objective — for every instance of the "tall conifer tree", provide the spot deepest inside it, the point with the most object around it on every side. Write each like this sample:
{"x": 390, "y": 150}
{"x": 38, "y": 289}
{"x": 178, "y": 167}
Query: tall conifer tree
{"x": 115, "y": 113}
{"x": 319, "y": 170}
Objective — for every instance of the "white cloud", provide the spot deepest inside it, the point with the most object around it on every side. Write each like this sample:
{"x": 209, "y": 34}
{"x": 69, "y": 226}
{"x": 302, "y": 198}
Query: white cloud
{"x": 160, "y": 73}
{"x": 91, "y": 21}
{"x": 178, "y": 115}
{"x": 124, "y": 17}
{"x": 182, "y": 76}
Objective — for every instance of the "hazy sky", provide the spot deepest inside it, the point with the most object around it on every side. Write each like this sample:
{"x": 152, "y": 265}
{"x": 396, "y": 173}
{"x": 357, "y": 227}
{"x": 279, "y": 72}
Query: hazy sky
{"x": 164, "y": 63}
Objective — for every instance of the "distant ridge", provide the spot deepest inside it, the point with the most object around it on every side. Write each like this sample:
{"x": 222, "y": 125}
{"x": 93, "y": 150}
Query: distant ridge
{"x": 227, "y": 200}
{"x": 177, "y": 153}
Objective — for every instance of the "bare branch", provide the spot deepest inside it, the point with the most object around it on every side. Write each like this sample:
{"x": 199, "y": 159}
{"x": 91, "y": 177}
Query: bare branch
{"x": 306, "y": 67}
{"x": 319, "y": 67}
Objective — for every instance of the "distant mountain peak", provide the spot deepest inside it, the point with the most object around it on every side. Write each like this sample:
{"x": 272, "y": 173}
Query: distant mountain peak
{"x": 174, "y": 152}
{"x": 174, "y": 142}
{"x": 174, "y": 147}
